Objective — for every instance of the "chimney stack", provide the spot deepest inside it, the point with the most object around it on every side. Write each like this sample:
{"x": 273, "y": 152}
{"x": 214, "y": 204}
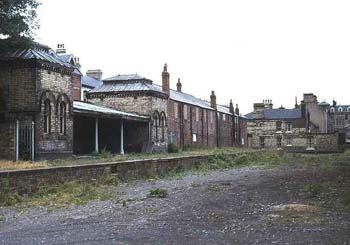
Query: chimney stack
{"x": 213, "y": 100}
{"x": 232, "y": 110}
{"x": 165, "y": 79}
{"x": 237, "y": 110}
{"x": 60, "y": 49}
{"x": 179, "y": 85}
{"x": 97, "y": 74}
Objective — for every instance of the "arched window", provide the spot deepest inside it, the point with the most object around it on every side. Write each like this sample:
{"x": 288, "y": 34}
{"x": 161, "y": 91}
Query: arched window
{"x": 163, "y": 125}
{"x": 348, "y": 109}
{"x": 63, "y": 117}
{"x": 340, "y": 109}
{"x": 47, "y": 116}
{"x": 156, "y": 124}
{"x": 332, "y": 109}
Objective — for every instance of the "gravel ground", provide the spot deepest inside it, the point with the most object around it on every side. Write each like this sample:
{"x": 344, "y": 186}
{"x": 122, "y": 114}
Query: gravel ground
{"x": 235, "y": 206}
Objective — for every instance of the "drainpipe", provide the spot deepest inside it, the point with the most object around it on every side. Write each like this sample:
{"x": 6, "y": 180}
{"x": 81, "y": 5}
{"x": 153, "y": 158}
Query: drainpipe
{"x": 121, "y": 138}
{"x": 33, "y": 142}
{"x": 96, "y": 135}
{"x": 17, "y": 140}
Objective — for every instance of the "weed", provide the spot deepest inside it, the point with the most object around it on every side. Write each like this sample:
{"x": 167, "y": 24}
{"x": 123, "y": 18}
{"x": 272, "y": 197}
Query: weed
{"x": 159, "y": 193}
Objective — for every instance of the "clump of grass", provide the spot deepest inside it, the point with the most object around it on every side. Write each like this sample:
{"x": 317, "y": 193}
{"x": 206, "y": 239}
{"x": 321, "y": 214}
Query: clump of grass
{"x": 314, "y": 189}
{"x": 158, "y": 193}
{"x": 221, "y": 160}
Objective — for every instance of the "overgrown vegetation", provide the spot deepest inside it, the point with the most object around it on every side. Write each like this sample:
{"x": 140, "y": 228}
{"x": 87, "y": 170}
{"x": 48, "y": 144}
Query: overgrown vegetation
{"x": 60, "y": 195}
{"x": 106, "y": 156}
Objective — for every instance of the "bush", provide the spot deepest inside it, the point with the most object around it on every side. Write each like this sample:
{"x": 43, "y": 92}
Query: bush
{"x": 172, "y": 148}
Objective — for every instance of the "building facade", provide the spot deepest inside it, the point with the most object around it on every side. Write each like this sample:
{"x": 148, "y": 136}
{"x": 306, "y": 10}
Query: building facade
{"x": 307, "y": 126}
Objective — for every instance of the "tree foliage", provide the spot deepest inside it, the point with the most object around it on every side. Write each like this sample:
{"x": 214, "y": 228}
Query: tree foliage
{"x": 18, "y": 18}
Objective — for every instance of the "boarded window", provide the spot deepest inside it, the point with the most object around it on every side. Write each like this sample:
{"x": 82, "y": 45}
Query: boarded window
{"x": 197, "y": 114}
{"x": 175, "y": 110}
{"x": 185, "y": 112}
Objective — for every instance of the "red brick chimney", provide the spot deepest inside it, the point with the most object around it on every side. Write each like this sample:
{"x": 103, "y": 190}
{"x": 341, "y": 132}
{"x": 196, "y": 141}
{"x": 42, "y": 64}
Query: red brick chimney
{"x": 165, "y": 80}
{"x": 178, "y": 85}
{"x": 213, "y": 100}
{"x": 232, "y": 110}
{"x": 237, "y": 109}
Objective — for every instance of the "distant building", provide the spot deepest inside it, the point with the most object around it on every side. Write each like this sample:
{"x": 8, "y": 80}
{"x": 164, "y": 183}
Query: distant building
{"x": 308, "y": 126}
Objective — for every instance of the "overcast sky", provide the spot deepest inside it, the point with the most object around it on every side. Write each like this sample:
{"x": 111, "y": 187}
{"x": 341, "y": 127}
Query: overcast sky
{"x": 244, "y": 50}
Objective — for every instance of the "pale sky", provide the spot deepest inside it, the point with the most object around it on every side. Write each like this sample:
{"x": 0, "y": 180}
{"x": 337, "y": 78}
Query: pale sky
{"x": 244, "y": 50}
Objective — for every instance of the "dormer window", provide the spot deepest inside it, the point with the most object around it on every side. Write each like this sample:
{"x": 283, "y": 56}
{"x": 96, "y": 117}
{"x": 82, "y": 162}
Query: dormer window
{"x": 332, "y": 109}
{"x": 340, "y": 109}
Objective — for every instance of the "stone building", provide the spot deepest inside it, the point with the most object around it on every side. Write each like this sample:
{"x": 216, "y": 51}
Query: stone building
{"x": 177, "y": 118}
{"x": 305, "y": 127}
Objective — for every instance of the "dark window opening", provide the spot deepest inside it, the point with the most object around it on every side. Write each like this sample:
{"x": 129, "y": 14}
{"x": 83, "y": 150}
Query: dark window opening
{"x": 262, "y": 142}
{"x": 278, "y": 125}
{"x": 63, "y": 118}
{"x": 47, "y": 116}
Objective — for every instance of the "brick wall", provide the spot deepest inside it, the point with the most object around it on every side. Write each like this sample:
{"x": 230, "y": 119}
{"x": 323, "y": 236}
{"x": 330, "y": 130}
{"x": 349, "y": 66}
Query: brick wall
{"x": 76, "y": 84}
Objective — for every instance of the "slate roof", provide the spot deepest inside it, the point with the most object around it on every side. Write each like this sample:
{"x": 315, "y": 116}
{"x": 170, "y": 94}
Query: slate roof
{"x": 90, "y": 82}
{"x": 278, "y": 114}
{"x": 66, "y": 57}
{"x": 127, "y": 78}
{"x": 87, "y": 108}
{"x": 344, "y": 107}
{"x": 135, "y": 82}
{"x": 39, "y": 52}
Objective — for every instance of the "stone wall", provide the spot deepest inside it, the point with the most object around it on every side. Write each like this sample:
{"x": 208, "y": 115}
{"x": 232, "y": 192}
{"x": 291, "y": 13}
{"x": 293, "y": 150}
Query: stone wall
{"x": 24, "y": 181}
{"x": 57, "y": 87}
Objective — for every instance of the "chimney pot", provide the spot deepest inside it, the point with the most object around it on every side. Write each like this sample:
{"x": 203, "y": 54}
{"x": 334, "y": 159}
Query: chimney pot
{"x": 165, "y": 79}
{"x": 179, "y": 85}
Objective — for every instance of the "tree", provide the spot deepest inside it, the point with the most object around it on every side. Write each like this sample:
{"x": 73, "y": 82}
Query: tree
{"x": 17, "y": 22}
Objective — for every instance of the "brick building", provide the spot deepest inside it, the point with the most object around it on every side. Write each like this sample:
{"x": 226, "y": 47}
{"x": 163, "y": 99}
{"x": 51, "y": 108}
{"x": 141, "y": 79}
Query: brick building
{"x": 177, "y": 118}
{"x": 42, "y": 114}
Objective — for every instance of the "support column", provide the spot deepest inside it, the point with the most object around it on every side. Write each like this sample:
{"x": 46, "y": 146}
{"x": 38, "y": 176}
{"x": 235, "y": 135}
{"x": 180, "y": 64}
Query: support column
{"x": 33, "y": 142}
{"x": 121, "y": 138}
{"x": 17, "y": 140}
{"x": 96, "y": 135}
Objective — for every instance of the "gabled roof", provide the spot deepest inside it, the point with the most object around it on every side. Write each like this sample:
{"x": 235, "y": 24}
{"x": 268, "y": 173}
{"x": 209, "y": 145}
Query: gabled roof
{"x": 87, "y": 108}
{"x": 277, "y": 114}
{"x": 38, "y": 52}
{"x": 66, "y": 57}
{"x": 90, "y": 82}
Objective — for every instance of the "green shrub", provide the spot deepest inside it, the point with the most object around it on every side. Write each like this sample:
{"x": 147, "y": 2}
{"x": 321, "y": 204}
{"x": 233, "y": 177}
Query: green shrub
{"x": 172, "y": 148}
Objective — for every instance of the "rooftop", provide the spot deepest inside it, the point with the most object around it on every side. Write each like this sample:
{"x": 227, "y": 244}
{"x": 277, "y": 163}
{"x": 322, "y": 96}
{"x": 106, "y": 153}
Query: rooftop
{"x": 277, "y": 114}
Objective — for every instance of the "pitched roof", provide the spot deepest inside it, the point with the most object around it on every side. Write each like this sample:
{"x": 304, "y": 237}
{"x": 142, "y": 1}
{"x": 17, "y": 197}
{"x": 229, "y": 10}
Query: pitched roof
{"x": 277, "y": 114}
{"x": 87, "y": 108}
{"x": 90, "y": 82}
{"x": 126, "y": 78}
{"x": 38, "y": 52}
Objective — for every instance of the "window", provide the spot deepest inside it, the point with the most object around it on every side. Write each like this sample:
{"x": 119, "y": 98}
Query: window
{"x": 194, "y": 137}
{"x": 163, "y": 125}
{"x": 175, "y": 110}
{"x": 278, "y": 125}
{"x": 185, "y": 112}
{"x": 346, "y": 116}
{"x": 47, "y": 116}
{"x": 289, "y": 141}
{"x": 204, "y": 115}
{"x": 223, "y": 117}
{"x": 332, "y": 109}
{"x": 197, "y": 114}
{"x": 63, "y": 117}
{"x": 340, "y": 109}
{"x": 289, "y": 126}
{"x": 348, "y": 109}
{"x": 279, "y": 141}
{"x": 156, "y": 124}
{"x": 262, "y": 142}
